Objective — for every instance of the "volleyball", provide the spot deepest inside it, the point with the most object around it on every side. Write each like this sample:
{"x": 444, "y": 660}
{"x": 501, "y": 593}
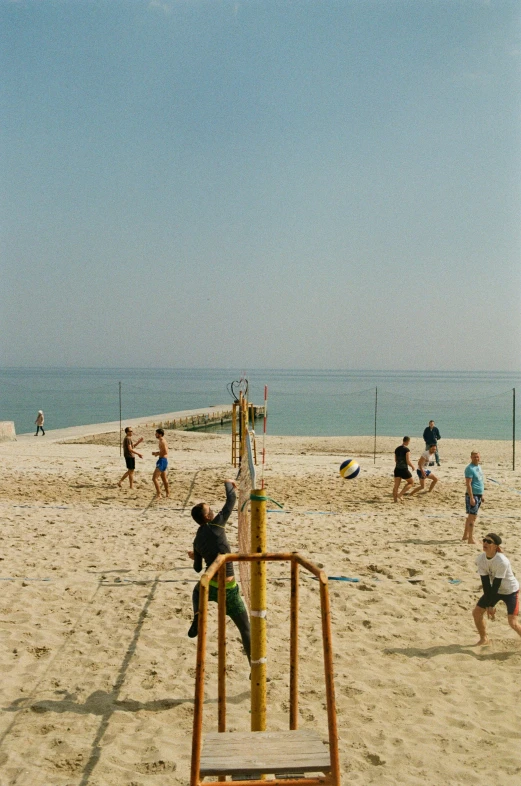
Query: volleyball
{"x": 349, "y": 469}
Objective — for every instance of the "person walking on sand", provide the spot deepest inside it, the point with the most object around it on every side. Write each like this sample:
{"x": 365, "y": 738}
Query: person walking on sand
{"x": 401, "y": 470}
{"x": 474, "y": 498}
{"x": 161, "y": 464}
{"x": 426, "y": 460}
{"x": 210, "y": 540}
{"x": 129, "y": 451}
{"x": 431, "y": 436}
{"x": 39, "y": 423}
{"x": 499, "y": 583}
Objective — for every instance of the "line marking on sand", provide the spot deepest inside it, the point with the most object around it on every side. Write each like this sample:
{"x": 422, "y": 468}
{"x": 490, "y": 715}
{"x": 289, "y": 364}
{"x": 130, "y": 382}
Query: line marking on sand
{"x": 316, "y": 513}
{"x": 483, "y": 514}
{"x": 498, "y": 483}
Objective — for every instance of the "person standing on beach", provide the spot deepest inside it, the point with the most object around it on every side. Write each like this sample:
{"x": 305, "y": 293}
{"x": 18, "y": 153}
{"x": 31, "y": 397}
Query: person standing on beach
{"x": 129, "y": 452}
{"x": 210, "y": 541}
{"x": 39, "y": 423}
{"x": 499, "y": 583}
{"x": 431, "y": 436}
{"x": 426, "y": 460}
{"x": 401, "y": 470}
{"x": 475, "y": 486}
{"x": 161, "y": 464}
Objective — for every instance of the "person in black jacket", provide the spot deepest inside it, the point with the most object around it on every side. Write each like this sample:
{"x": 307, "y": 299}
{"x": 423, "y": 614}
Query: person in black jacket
{"x": 210, "y": 541}
{"x": 431, "y": 435}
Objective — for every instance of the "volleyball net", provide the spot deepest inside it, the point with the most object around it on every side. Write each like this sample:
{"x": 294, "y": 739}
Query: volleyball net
{"x": 245, "y": 483}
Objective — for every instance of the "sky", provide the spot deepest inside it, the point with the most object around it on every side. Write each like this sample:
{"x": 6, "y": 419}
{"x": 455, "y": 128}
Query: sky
{"x": 261, "y": 184}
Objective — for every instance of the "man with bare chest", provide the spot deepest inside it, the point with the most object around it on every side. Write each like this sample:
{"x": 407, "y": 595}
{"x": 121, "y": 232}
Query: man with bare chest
{"x": 161, "y": 464}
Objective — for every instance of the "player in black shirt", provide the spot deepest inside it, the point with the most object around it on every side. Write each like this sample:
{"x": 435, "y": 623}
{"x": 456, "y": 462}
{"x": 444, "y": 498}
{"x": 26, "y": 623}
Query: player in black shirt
{"x": 401, "y": 470}
{"x": 210, "y": 541}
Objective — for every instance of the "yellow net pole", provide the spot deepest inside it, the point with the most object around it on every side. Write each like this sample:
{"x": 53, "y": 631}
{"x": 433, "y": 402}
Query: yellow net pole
{"x": 258, "y": 612}
{"x": 234, "y": 434}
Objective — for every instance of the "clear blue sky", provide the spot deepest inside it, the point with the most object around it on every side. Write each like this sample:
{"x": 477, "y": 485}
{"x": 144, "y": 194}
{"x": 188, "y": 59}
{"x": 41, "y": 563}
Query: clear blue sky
{"x": 261, "y": 183}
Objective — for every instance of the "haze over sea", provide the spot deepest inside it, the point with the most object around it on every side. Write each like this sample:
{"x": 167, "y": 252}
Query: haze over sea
{"x": 474, "y": 405}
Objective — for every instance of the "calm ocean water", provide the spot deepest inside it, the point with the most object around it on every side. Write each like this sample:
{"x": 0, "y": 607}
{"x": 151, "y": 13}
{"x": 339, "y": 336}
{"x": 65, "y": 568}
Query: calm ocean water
{"x": 474, "y": 405}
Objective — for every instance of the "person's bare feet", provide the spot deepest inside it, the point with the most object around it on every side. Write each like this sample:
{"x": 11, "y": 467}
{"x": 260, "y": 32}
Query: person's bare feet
{"x": 158, "y": 496}
{"x": 472, "y": 542}
{"x": 482, "y": 642}
{"x": 120, "y": 486}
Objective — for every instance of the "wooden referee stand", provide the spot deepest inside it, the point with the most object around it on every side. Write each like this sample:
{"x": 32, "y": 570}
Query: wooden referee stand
{"x": 287, "y": 755}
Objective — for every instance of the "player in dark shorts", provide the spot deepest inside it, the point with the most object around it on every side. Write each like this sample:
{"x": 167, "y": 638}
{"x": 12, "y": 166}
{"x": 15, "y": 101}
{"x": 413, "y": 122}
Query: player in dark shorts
{"x": 499, "y": 583}
{"x": 210, "y": 541}
{"x": 401, "y": 470}
{"x": 129, "y": 451}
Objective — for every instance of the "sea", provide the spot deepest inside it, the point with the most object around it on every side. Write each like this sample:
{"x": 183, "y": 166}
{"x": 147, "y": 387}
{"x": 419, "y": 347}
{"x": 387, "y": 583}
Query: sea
{"x": 463, "y": 404}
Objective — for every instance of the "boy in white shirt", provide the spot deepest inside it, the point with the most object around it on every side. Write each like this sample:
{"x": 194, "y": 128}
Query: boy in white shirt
{"x": 499, "y": 583}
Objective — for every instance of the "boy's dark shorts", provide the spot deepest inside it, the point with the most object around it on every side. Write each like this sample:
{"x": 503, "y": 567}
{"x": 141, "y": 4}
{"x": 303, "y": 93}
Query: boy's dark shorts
{"x": 472, "y": 509}
{"x": 234, "y": 602}
{"x": 130, "y": 461}
{"x": 511, "y": 601}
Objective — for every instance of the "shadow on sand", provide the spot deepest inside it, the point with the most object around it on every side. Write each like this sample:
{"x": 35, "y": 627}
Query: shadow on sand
{"x": 481, "y": 653}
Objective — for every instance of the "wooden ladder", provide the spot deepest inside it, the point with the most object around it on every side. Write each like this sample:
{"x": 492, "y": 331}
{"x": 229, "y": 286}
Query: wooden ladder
{"x": 295, "y": 757}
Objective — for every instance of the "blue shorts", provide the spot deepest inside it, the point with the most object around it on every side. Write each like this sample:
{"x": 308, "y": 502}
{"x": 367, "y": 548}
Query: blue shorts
{"x": 472, "y": 509}
{"x": 162, "y": 464}
{"x": 419, "y": 473}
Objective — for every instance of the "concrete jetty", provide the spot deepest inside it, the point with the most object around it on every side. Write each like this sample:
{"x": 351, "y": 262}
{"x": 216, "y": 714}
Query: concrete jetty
{"x": 185, "y": 420}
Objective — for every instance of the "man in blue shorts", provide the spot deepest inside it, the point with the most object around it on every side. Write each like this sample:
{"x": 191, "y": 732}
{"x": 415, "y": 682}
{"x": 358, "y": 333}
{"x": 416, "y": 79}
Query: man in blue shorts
{"x": 475, "y": 487}
{"x": 161, "y": 464}
{"x": 426, "y": 461}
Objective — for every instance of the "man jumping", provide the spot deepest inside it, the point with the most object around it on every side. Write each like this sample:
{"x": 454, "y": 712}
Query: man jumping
{"x": 210, "y": 540}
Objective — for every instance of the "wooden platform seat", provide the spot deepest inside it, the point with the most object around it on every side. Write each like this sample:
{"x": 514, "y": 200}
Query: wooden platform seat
{"x": 264, "y": 752}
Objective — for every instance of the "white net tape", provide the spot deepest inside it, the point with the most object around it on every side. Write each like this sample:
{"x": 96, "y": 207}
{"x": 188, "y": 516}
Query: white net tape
{"x": 246, "y": 483}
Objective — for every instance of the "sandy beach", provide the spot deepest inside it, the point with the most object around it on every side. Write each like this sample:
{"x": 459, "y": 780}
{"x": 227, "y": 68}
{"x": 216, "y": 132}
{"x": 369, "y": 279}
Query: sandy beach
{"x": 98, "y": 672}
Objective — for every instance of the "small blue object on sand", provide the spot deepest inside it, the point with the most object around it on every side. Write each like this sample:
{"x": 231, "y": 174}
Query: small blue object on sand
{"x": 338, "y": 578}
{"x": 454, "y": 581}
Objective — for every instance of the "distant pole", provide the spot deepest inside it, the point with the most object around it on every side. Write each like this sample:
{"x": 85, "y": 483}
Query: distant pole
{"x": 375, "y": 411}
{"x": 264, "y": 433}
{"x": 513, "y": 428}
{"x": 120, "y": 418}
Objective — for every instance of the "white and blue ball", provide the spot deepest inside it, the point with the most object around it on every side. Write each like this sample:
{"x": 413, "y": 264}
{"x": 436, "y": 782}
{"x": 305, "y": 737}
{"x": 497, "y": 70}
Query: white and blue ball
{"x": 349, "y": 469}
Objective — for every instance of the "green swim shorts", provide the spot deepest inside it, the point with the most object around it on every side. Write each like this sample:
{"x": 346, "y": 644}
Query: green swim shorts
{"x": 234, "y": 603}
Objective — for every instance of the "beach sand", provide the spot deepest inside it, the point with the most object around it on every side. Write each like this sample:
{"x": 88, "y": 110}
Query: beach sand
{"x": 98, "y": 672}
